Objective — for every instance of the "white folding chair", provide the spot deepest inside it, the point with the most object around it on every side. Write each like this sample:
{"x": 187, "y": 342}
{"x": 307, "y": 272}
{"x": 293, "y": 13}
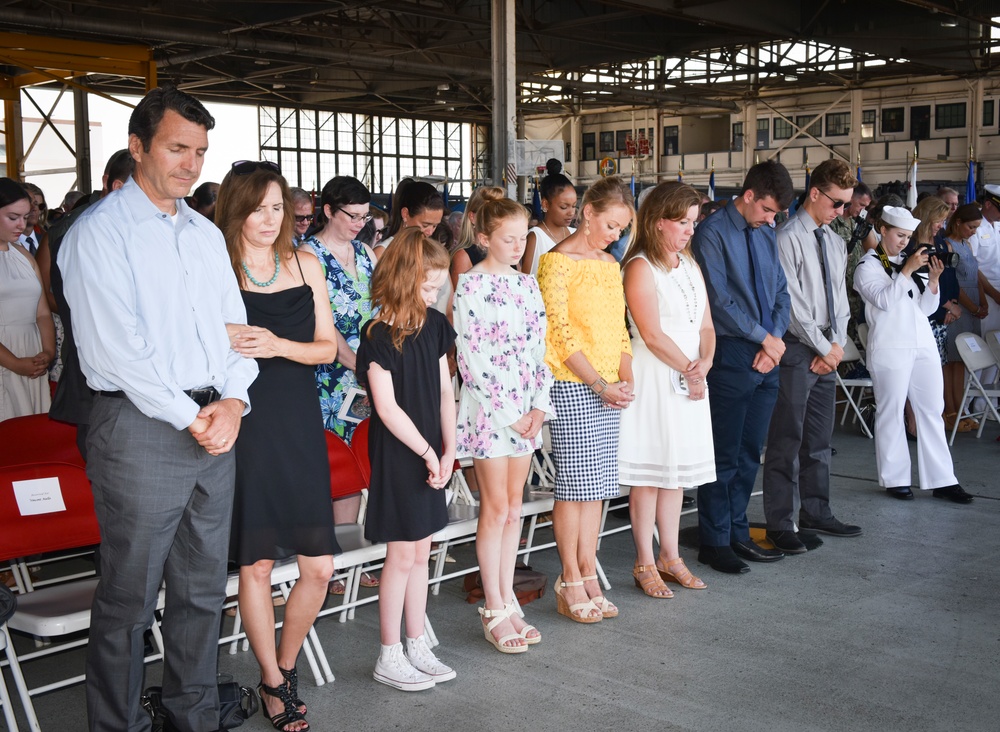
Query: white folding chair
{"x": 22, "y": 689}
{"x": 976, "y": 355}
{"x": 849, "y": 386}
{"x": 463, "y": 522}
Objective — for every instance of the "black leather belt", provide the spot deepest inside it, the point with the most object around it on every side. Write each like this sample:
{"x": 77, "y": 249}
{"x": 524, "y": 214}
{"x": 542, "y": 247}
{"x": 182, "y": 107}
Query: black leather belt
{"x": 201, "y": 397}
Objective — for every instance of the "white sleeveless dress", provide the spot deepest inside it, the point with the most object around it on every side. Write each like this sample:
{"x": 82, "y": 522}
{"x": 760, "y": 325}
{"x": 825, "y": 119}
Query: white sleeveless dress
{"x": 20, "y": 291}
{"x": 666, "y": 438}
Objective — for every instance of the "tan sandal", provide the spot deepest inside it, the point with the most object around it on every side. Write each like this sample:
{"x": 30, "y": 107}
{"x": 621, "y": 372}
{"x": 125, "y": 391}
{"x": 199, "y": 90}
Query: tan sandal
{"x": 676, "y": 571}
{"x": 528, "y": 627}
{"x": 648, "y": 580}
{"x": 607, "y": 608}
{"x": 496, "y": 617}
{"x": 583, "y": 608}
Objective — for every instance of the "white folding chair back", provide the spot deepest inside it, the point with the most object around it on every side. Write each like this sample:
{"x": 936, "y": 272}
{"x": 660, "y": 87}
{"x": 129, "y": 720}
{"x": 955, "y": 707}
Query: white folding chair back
{"x": 993, "y": 341}
{"x": 863, "y": 335}
{"x": 854, "y": 390}
{"x": 976, "y": 355}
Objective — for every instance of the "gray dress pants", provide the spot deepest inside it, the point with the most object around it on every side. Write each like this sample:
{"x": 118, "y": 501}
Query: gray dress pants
{"x": 797, "y": 459}
{"x": 164, "y": 508}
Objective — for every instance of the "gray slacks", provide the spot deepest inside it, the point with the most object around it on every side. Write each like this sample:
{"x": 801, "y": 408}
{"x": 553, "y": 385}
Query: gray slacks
{"x": 797, "y": 459}
{"x": 164, "y": 507}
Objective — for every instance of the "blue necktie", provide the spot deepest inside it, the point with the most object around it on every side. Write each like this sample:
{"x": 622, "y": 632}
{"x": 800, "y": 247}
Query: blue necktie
{"x": 32, "y": 246}
{"x": 758, "y": 285}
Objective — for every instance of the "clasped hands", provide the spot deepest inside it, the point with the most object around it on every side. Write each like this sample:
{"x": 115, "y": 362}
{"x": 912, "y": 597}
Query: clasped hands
{"x": 695, "y": 375}
{"x": 617, "y": 395}
{"x": 252, "y": 341}
{"x": 32, "y": 366}
{"x": 769, "y": 355}
{"x": 217, "y": 425}
{"x": 530, "y": 424}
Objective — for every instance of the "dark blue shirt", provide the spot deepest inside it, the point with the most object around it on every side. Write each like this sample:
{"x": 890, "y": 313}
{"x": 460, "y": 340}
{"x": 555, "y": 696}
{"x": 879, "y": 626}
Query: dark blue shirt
{"x": 720, "y": 247}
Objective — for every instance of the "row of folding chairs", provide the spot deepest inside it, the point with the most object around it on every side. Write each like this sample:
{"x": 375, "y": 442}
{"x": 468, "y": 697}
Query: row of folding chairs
{"x": 981, "y": 358}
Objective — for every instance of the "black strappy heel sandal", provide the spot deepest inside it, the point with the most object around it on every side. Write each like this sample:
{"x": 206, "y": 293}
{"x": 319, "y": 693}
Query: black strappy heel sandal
{"x": 289, "y": 714}
{"x": 292, "y": 678}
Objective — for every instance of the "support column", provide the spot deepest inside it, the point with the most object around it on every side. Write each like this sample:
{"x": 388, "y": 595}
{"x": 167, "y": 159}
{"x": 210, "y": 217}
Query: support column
{"x": 13, "y": 136}
{"x": 749, "y": 135}
{"x": 504, "y": 91}
{"x": 81, "y": 113}
{"x": 856, "y": 115}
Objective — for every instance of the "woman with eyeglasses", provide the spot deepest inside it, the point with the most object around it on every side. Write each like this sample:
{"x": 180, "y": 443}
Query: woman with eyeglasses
{"x": 282, "y": 501}
{"x": 347, "y": 266}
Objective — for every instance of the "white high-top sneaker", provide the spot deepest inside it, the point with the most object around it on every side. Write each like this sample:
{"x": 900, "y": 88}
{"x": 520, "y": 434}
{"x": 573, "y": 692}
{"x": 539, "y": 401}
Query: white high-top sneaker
{"x": 393, "y": 669}
{"x": 423, "y": 659}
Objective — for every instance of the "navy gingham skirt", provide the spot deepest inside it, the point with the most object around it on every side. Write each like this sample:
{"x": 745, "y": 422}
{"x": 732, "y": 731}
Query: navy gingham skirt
{"x": 584, "y": 444}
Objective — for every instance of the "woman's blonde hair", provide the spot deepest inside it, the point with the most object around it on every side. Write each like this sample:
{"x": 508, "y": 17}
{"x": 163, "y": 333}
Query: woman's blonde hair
{"x": 239, "y": 196}
{"x": 928, "y": 210}
{"x": 670, "y": 201}
{"x": 609, "y": 192}
{"x": 467, "y": 233}
{"x": 398, "y": 279}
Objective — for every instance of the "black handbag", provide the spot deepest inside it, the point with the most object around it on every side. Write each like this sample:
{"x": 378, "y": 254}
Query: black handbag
{"x": 8, "y": 603}
{"x": 236, "y": 705}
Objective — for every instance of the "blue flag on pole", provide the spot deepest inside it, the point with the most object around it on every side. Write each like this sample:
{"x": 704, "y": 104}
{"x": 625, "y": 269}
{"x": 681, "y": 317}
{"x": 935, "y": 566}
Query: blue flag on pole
{"x": 536, "y": 202}
{"x": 970, "y": 184}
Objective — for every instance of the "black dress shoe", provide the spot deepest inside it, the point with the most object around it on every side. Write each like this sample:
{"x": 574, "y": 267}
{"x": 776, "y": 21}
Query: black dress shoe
{"x": 810, "y": 539}
{"x": 954, "y": 493}
{"x": 722, "y": 559}
{"x": 787, "y": 542}
{"x": 833, "y": 527}
{"x": 753, "y": 553}
{"x": 901, "y": 492}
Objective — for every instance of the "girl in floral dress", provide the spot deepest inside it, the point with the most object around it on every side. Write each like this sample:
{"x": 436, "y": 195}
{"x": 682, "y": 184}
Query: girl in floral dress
{"x": 500, "y": 320}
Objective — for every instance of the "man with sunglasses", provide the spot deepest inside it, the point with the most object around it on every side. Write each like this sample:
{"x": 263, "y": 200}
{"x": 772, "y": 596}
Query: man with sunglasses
{"x": 797, "y": 460}
{"x": 303, "y": 205}
{"x": 152, "y": 289}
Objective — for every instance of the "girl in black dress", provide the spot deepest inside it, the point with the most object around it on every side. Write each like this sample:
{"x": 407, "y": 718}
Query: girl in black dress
{"x": 402, "y": 360}
{"x": 282, "y": 506}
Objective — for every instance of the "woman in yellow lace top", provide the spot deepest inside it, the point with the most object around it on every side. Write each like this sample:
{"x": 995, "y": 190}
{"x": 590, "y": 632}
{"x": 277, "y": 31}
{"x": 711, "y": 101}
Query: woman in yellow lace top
{"x": 588, "y": 350}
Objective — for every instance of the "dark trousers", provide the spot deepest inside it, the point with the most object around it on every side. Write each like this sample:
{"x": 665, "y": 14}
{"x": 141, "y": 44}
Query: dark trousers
{"x": 741, "y": 401}
{"x": 797, "y": 461}
{"x": 164, "y": 507}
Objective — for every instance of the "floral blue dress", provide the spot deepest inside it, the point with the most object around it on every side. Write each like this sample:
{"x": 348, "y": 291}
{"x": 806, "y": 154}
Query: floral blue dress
{"x": 350, "y": 301}
{"x": 500, "y": 321}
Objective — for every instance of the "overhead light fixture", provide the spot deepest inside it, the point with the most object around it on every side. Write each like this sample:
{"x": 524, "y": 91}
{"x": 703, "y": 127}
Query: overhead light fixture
{"x": 277, "y": 85}
{"x": 262, "y": 62}
{"x": 949, "y": 23}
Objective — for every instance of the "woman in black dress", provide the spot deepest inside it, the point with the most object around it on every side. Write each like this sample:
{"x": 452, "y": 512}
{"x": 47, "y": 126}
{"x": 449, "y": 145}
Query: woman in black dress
{"x": 282, "y": 506}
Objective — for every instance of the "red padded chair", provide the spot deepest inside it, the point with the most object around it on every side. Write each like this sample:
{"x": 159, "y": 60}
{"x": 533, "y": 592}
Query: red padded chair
{"x": 359, "y": 446}
{"x": 38, "y": 439}
{"x": 346, "y": 475}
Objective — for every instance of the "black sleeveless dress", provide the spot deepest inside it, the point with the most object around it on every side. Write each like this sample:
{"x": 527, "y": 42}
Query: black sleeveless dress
{"x": 282, "y": 506}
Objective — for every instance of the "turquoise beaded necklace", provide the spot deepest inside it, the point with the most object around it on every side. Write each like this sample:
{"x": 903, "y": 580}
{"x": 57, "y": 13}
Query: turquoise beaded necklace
{"x": 277, "y": 269}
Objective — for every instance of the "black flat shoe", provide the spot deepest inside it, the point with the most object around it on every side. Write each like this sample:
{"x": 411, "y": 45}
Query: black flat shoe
{"x": 833, "y": 527}
{"x": 954, "y": 493}
{"x": 722, "y": 559}
{"x": 753, "y": 553}
{"x": 902, "y": 492}
{"x": 787, "y": 542}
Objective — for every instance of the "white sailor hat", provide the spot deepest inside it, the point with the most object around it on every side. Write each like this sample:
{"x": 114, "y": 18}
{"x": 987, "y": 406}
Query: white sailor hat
{"x": 992, "y": 193}
{"x": 899, "y": 217}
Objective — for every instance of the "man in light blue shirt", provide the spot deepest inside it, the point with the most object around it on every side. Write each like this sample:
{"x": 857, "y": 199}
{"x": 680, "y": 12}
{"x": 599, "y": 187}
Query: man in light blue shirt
{"x": 748, "y": 295}
{"x": 152, "y": 289}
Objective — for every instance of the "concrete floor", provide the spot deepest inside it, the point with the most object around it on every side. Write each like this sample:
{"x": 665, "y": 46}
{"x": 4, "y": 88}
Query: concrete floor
{"x": 894, "y": 630}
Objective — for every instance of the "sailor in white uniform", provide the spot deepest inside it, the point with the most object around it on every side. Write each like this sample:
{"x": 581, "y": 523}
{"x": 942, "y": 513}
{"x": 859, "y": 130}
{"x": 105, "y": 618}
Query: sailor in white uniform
{"x": 903, "y": 360}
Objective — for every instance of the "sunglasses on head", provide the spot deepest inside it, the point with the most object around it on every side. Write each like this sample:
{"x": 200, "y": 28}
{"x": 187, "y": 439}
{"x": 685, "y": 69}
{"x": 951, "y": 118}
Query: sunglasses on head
{"x": 246, "y": 167}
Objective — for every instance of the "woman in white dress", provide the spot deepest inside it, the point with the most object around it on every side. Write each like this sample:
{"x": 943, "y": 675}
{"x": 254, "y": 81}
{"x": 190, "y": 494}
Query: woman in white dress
{"x": 27, "y": 334}
{"x": 558, "y": 212}
{"x": 666, "y": 437}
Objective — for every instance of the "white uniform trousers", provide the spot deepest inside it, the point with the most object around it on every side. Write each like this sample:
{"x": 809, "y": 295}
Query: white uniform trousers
{"x": 914, "y": 373}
